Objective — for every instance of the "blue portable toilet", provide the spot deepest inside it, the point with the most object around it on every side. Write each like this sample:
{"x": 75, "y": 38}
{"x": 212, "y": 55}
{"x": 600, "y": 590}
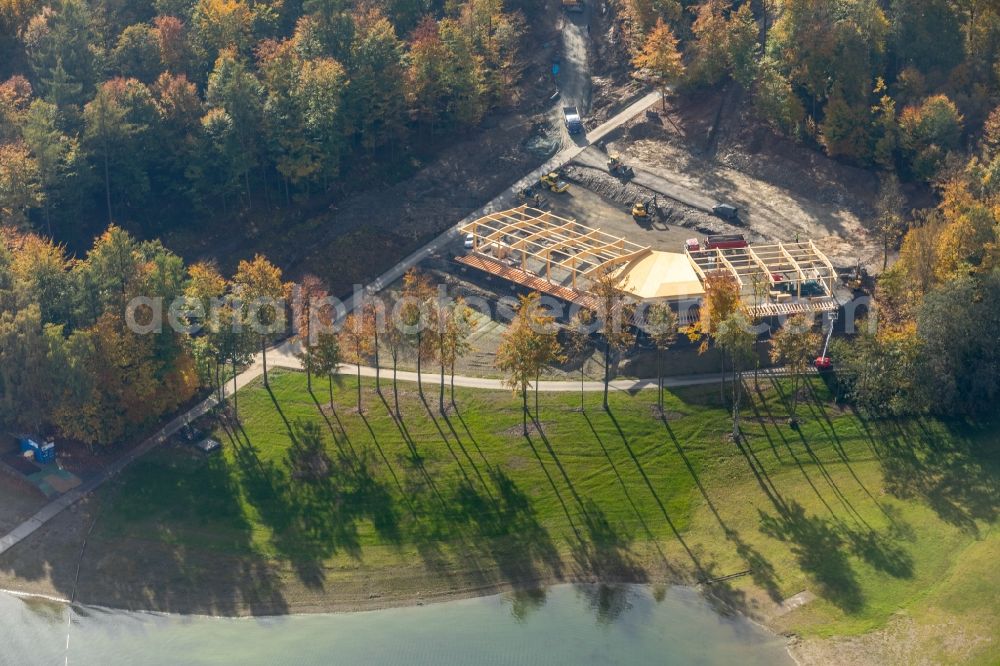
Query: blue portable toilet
{"x": 46, "y": 453}
{"x": 43, "y": 453}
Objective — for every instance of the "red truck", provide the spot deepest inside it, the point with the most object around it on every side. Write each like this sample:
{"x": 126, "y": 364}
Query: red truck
{"x": 725, "y": 242}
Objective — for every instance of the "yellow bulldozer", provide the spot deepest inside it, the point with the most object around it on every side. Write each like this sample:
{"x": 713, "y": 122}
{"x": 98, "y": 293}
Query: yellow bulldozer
{"x": 553, "y": 182}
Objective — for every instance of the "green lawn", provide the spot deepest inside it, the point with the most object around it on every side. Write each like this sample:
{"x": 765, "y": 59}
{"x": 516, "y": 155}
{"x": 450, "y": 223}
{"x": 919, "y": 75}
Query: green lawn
{"x": 874, "y": 518}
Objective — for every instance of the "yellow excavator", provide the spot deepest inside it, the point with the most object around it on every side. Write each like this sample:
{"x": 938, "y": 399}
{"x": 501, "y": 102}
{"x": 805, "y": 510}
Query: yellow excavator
{"x": 643, "y": 209}
{"x": 553, "y": 182}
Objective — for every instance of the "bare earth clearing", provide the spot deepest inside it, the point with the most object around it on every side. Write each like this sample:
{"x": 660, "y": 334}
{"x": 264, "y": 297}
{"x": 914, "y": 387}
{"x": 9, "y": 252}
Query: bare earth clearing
{"x": 783, "y": 190}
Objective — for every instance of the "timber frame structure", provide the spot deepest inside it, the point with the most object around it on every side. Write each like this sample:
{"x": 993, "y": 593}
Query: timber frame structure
{"x": 560, "y": 250}
{"x": 772, "y": 277}
{"x": 555, "y": 255}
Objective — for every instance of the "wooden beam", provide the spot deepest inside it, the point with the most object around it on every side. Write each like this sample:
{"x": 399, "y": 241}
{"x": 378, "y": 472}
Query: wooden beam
{"x": 610, "y": 263}
{"x": 829, "y": 265}
{"x": 795, "y": 265}
{"x": 542, "y": 233}
{"x": 569, "y": 241}
{"x": 722, "y": 258}
{"x": 763, "y": 266}
{"x": 694, "y": 264}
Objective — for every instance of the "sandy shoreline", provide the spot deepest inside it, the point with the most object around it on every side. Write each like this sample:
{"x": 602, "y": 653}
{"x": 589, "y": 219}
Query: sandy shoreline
{"x": 335, "y": 607}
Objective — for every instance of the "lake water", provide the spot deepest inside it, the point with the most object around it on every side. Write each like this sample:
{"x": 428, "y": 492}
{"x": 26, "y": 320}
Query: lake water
{"x": 564, "y": 624}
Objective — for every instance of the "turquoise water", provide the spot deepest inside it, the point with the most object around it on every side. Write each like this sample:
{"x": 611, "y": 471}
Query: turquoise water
{"x": 562, "y": 625}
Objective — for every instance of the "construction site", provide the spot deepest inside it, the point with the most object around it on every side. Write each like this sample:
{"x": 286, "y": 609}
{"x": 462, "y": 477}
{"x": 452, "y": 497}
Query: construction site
{"x": 543, "y": 251}
{"x": 570, "y": 227}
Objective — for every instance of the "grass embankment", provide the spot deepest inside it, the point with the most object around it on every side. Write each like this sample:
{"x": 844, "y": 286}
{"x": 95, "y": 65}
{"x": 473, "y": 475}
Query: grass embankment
{"x": 306, "y": 505}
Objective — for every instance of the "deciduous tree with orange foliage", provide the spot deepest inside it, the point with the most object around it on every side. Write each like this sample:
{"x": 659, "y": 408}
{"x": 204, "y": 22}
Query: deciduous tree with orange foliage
{"x": 721, "y": 301}
{"x": 356, "y": 342}
{"x": 310, "y": 311}
{"x": 259, "y": 287}
{"x": 796, "y": 345}
{"x": 529, "y": 344}
{"x": 413, "y": 316}
{"x": 662, "y": 57}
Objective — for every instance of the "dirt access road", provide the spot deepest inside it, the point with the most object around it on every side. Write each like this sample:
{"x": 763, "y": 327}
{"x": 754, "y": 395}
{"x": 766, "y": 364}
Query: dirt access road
{"x": 652, "y": 179}
{"x": 367, "y": 233}
{"x": 573, "y": 80}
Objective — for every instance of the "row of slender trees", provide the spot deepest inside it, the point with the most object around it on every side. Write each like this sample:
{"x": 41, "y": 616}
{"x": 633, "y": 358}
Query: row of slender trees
{"x": 414, "y": 320}
{"x": 98, "y": 348}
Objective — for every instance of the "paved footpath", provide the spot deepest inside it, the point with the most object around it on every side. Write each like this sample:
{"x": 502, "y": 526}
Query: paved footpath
{"x": 282, "y": 357}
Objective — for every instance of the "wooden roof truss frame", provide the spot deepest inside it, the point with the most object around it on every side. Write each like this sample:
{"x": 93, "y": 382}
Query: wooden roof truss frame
{"x": 789, "y": 263}
{"x": 537, "y": 235}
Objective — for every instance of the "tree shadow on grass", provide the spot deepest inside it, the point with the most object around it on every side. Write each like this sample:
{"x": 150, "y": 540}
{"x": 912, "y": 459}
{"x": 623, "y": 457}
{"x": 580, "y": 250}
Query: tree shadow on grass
{"x": 400, "y": 424}
{"x": 761, "y": 569}
{"x": 818, "y": 548}
{"x": 837, "y": 492}
{"x": 475, "y": 443}
{"x": 699, "y": 569}
{"x": 816, "y": 407}
{"x": 169, "y": 534}
{"x": 312, "y": 504}
{"x": 604, "y": 554}
{"x": 339, "y": 433}
{"x": 791, "y": 451}
{"x": 955, "y": 468}
{"x": 506, "y": 529}
{"x": 555, "y": 489}
{"x": 465, "y": 452}
{"x": 761, "y": 398}
{"x": 438, "y": 524}
{"x": 814, "y": 404}
{"x": 628, "y": 496}
{"x": 558, "y": 463}
{"x": 821, "y": 548}
{"x": 821, "y": 545}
